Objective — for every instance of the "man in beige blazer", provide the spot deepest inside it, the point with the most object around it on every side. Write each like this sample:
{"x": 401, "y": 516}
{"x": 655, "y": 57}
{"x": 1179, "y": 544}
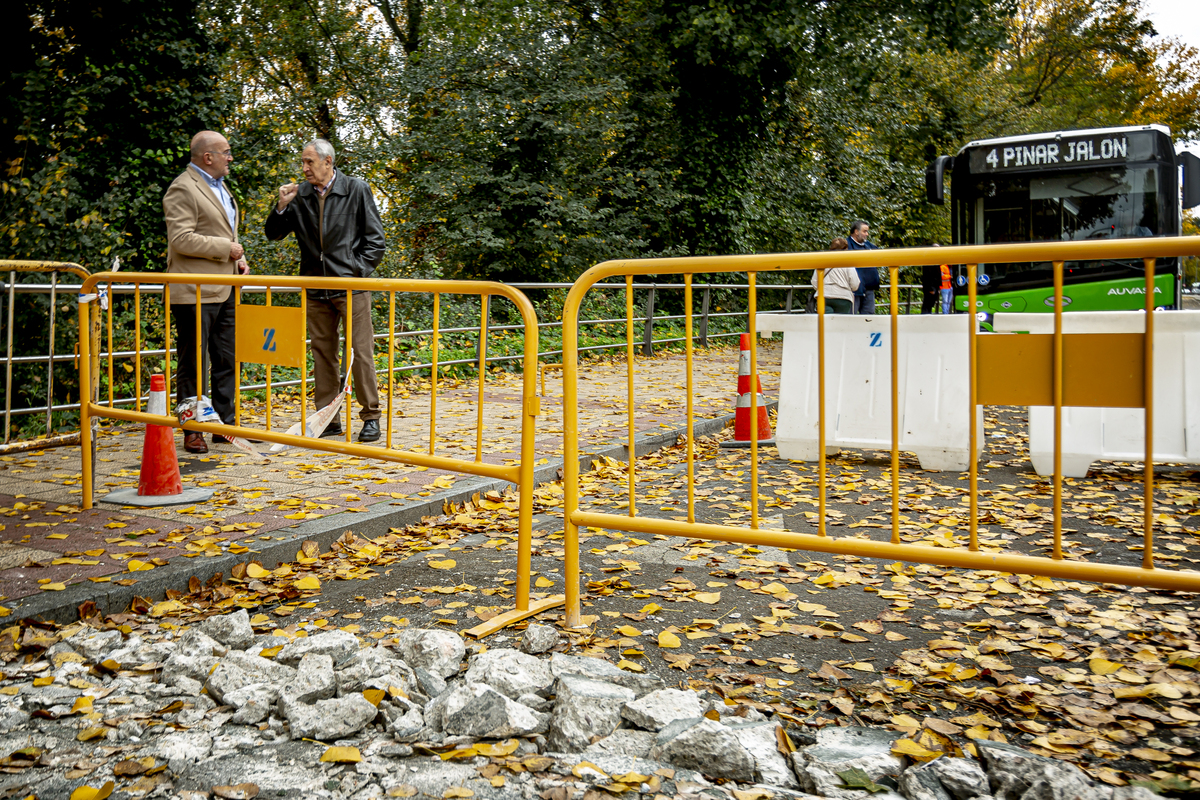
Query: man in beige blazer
{"x": 202, "y": 222}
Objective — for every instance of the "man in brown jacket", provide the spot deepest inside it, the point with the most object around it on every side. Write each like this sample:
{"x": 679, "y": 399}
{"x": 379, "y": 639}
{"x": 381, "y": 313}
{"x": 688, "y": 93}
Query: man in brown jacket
{"x": 202, "y": 222}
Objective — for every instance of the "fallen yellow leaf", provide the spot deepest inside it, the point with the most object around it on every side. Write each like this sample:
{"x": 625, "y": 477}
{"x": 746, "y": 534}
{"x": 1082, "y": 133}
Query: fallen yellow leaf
{"x": 342, "y": 755}
{"x": 88, "y": 793}
{"x": 668, "y": 639}
{"x": 1102, "y": 666}
{"x": 507, "y": 747}
{"x": 308, "y": 583}
{"x": 907, "y": 747}
{"x": 583, "y": 768}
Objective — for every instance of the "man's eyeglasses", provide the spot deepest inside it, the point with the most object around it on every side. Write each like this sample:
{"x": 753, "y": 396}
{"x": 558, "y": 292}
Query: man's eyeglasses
{"x": 226, "y": 153}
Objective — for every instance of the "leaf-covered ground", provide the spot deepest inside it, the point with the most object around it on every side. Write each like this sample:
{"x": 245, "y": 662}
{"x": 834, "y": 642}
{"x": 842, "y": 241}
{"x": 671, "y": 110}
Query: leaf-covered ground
{"x": 1104, "y": 676}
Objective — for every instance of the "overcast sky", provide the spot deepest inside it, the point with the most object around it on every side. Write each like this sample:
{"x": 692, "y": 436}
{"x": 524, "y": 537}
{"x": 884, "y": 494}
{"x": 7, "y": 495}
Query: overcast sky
{"x": 1178, "y": 18}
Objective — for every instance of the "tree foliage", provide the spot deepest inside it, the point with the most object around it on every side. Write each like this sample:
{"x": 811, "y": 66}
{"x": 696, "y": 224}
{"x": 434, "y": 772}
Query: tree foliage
{"x": 529, "y": 139}
{"x": 96, "y": 118}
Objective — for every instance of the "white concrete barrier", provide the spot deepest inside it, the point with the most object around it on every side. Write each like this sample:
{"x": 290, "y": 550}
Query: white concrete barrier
{"x": 933, "y": 386}
{"x": 1118, "y": 434}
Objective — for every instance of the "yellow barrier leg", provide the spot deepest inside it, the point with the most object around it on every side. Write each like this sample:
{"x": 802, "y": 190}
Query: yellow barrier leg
{"x": 85, "y": 401}
{"x": 821, "y": 402}
{"x": 894, "y": 298}
{"x": 1148, "y": 465}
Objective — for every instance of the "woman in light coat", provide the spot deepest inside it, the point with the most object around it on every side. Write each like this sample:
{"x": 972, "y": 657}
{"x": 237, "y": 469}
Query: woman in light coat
{"x": 840, "y": 283}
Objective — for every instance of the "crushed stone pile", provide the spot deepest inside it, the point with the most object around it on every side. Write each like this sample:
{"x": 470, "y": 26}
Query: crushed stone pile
{"x": 220, "y": 711}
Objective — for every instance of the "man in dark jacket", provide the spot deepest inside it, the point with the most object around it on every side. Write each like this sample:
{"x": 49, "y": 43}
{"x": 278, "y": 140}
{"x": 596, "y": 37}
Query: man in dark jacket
{"x": 931, "y": 286}
{"x": 341, "y": 236}
{"x": 868, "y": 277}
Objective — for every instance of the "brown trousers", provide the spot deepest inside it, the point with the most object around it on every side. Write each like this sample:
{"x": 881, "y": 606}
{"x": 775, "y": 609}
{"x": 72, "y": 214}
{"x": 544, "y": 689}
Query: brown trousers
{"x": 323, "y": 319}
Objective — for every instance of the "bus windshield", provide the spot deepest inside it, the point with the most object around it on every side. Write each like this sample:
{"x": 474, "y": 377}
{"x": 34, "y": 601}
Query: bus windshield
{"x": 1119, "y": 202}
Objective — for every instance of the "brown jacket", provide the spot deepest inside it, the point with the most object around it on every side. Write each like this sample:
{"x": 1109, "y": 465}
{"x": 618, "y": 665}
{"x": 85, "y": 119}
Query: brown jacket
{"x": 198, "y": 237}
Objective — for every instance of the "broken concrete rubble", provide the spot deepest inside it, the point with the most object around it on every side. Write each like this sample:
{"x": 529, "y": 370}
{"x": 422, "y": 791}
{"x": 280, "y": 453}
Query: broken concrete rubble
{"x": 215, "y": 713}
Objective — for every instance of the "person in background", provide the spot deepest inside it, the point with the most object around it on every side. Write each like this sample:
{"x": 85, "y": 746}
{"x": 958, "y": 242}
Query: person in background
{"x": 840, "y": 284}
{"x": 868, "y": 277}
{"x": 340, "y": 235}
{"x": 947, "y": 289}
{"x": 931, "y": 285}
{"x": 202, "y": 222}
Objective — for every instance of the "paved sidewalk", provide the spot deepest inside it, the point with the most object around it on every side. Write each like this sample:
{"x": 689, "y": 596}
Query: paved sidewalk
{"x": 54, "y": 556}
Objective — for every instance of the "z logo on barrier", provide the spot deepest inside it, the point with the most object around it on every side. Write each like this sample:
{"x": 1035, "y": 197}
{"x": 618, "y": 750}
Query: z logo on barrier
{"x": 269, "y": 340}
{"x": 876, "y": 340}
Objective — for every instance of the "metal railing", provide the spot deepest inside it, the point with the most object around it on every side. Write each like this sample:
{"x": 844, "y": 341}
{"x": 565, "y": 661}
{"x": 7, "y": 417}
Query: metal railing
{"x": 1016, "y": 385}
{"x": 52, "y": 290}
{"x": 793, "y": 300}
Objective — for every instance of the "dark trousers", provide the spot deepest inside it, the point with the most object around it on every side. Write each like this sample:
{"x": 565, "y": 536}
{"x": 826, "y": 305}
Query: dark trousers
{"x": 323, "y": 319}
{"x": 864, "y": 302}
{"x": 217, "y": 321}
{"x": 929, "y": 300}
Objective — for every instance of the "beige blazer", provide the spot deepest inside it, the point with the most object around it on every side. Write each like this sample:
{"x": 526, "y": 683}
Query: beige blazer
{"x": 198, "y": 237}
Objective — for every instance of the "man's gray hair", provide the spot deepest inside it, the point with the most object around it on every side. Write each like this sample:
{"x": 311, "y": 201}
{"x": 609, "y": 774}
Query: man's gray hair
{"x": 324, "y": 148}
{"x": 855, "y": 226}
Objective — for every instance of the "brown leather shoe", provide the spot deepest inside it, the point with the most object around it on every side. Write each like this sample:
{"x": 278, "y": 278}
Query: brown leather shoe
{"x": 219, "y": 439}
{"x": 193, "y": 442}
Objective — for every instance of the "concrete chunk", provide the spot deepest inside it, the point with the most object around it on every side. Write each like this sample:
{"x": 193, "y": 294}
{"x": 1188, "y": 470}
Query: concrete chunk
{"x": 584, "y": 710}
{"x": 337, "y": 644}
{"x": 657, "y": 710}
{"x": 706, "y": 746}
{"x": 840, "y": 749}
{"x": 510, "y": 672}
{"x": 232, "y": 630}
{"x": 331, "y": 719}
{"x": 440, "y": 652}
{"x": 480, "y": 711}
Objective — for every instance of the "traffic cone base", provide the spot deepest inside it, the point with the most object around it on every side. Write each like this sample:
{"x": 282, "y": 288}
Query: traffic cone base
{"x": 159, "y": 483}
{"x": 743, "y": 414}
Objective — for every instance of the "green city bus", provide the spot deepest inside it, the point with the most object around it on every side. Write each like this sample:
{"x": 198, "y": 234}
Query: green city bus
{"x": 1068, "y": 186}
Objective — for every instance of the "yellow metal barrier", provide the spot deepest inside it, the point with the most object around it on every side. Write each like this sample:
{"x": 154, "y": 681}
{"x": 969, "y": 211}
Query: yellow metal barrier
{"x": 892, "y": 260}
{"x": 520, "y": 474}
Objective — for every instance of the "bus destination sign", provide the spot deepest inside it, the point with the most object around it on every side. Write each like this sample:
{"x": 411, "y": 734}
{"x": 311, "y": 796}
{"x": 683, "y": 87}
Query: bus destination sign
{"x": 1053, "y": 151}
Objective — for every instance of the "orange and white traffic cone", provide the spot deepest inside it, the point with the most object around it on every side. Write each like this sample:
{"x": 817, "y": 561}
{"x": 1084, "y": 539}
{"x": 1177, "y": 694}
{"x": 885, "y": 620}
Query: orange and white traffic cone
{"x": 159, "y": 483}
{"x": 742, "y": 415}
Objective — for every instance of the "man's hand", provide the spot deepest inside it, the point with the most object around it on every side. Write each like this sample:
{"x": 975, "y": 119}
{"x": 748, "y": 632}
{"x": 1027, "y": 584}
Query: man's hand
{"x": 242, "y": 267}
{"x": 235, "y": 251}
{"x": 286, "y": 193}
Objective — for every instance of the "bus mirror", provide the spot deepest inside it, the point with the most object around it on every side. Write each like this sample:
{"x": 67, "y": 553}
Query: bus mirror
{"x": 935, "y": 188}
{"x": 1191, "y": 179}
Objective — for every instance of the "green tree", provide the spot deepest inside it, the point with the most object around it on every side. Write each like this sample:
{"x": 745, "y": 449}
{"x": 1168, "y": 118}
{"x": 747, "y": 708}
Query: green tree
{"x": 1092, "y": 63}
{"x": 95, "y": 123}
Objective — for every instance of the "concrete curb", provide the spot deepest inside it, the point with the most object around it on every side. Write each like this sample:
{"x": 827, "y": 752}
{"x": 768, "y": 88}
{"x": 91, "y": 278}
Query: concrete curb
{"x": 62, "y": 607}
